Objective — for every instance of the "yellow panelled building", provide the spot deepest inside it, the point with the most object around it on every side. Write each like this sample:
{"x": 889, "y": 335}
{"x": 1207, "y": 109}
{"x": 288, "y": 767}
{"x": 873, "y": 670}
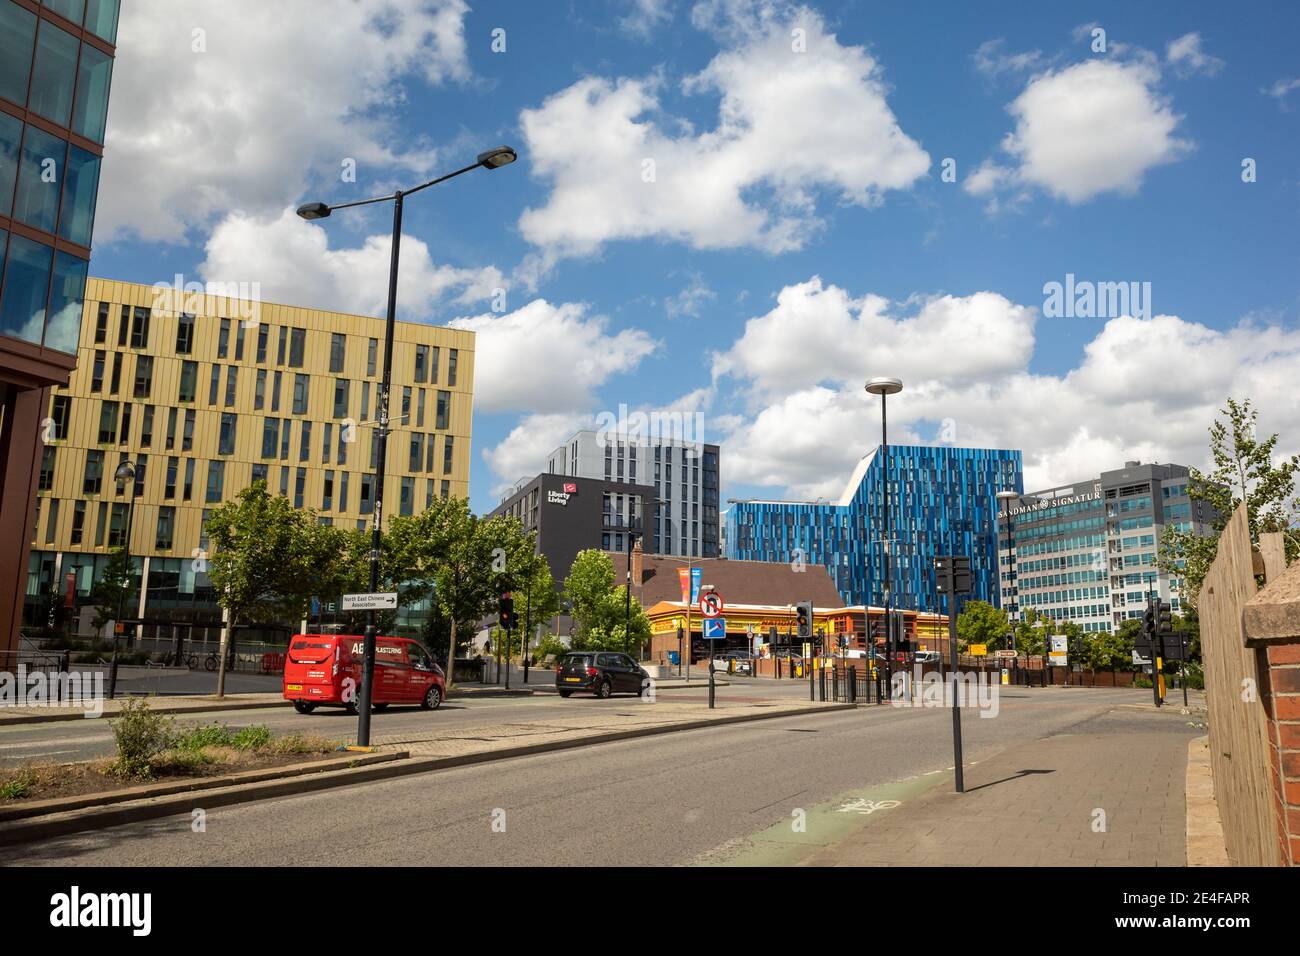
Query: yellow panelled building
{"x": 204, "y": 394}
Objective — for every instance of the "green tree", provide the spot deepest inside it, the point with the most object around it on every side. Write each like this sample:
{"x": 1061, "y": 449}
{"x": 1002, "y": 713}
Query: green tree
{"x": 981, "y": 623}
{"x": 1031, "y": 633}
{"x": 539, "y": 601}
{"x": 267, "y": 561}
{"x": 1244, "y": 470}
{"x": 610, "y": 630}
{"x": 588, "y": 586}
{"x": 116, "y": 585}
{"x": 1103, "y": 650}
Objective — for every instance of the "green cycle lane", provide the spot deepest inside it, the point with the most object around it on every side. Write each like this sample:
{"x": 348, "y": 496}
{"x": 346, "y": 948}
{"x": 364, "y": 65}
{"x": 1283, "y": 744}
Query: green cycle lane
{"x": 807, "y": 831}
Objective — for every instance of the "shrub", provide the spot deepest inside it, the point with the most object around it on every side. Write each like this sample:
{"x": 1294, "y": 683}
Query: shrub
{"x": 252, "y": 738}
{"x": 19, "y": 787}
{"x": 208, "y": 735}
{"x": 141, "y": 735}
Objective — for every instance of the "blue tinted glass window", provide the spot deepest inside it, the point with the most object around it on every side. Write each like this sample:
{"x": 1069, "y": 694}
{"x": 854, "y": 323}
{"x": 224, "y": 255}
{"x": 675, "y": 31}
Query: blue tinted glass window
{"x": 66, "y": 294}
{"x": 40, "y": 176}
{"x": 11, "y": 134}
{"x": 101, "y": 19}
{"x": 55, "y": 73}
{"x": 91, "y": 109}
{"x": 17, "y": 32}
{"x": 26, "y": 282}
{"x": 74, "y": 10}
{"x": 80, "y": 186}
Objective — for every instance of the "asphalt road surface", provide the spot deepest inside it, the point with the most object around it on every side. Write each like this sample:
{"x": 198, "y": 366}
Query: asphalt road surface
{"x": 654, "y": 801}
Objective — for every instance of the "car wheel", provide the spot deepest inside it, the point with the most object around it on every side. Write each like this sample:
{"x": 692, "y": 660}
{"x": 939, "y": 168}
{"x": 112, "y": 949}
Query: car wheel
{"x": 566, "y": 693}
{"x": 303, "y": 706}
{"x": 604, "y": 689}
{"x": 432, "y": 698}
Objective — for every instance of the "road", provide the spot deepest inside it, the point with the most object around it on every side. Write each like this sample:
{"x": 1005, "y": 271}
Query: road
{"x": 655, "y": 801}
{"x": 75, "y": 740}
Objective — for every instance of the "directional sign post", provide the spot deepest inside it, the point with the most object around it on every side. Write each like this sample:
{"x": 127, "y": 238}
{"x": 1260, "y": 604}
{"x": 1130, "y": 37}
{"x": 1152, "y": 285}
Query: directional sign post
{"x": 715, "y": 628}
{"x": 953, "y": 578}
{"x": 380, "y": 601}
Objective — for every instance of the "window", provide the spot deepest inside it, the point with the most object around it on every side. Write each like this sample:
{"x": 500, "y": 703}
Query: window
{"x": 301, "y": 386}
{"x": 46, "y": 480}
{"x": 169, "y": 489}
{"x": 433, "y": 365}
{"x": 304, "y": 447}
{"x": 93, "y": 479}
{"x": 223, "y": 339}
{"x": 189, "y": 381}
{"x": 101, "y": 324}
{"x": 327, "y": 495}
{"x": 270, "y": 436}
{"x": 280, "y": 348}
{"x": 78, "y": 522}
{"x": 365, "y": 401}
{"x": 108, "y": 413}
{"x": 239, "y": 342}
{"x": 115, "y": 380}
{"x": 143, "y": 376}
{"x": 171, "y": 428}
{"x": 188, "y": 490}
{"x": 124, "y": 436}
{"x": 421, "y": 363}
{"x": 286, "y": 426}
{"x": 345, "y": 435}
{"x": 187, "y": 433}
{"x": 417, "y": 449}
{"x": 139, "y": 328}
{"x": 275, "y": 393}
{"x": 216, "y": 481}
{"x": 342, "y": 397}
{"x": 166, "y": 528}
{"x": 262, "y": 333}
{"x": 259, "y": 390}
{"x": 299, "y": 487}
{"x": 17, "y": 31}
{"x": 338, "y": 351}
{"x": 52, "y": 522}
{"x": 444, "y": 410}
{"x": 297, "y": 346}
{"x": 371, "y": 357}
{"x": 343, "y": 492}
{"x": 452, "y": 356}
{"x": 54, "y": 74}
{"x": 185, "y": 335}
{"x": 232, "y": 384}
{"x": 419, "y": 410}
{"x": 62, "y": 408}
{"x": 367, "y": 494}
{"x": 141, "y": 466}
{"x": 259, "y": 473}
{"x": 226, "y": 443}
{"x": 447, "y": 446}
{"x": 406, "y": 501}
{"x": 445, "y": 490}
{"x": 214, "y": 384}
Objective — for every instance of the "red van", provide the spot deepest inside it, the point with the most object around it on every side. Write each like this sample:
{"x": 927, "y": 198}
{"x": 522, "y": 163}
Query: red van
{"x": 325, "y": 669}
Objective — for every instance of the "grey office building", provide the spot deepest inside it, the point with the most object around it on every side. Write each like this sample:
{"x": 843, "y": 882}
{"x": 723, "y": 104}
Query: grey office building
{"x": 1086, "y": 552}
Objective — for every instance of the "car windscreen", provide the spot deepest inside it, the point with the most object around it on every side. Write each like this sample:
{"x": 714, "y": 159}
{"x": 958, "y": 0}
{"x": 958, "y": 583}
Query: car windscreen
{"x": 572, "y": 661}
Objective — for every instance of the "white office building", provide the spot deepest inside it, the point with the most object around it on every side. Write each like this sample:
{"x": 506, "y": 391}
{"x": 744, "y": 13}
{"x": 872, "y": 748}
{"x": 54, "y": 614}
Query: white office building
{"x": 683, "y": 473}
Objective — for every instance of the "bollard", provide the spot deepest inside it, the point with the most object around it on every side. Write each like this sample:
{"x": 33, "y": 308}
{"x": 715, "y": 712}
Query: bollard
{"x": 852, "y": 688}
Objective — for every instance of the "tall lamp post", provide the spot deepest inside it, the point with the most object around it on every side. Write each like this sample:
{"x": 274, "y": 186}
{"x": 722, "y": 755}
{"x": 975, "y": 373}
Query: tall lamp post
{"x": 884, "y": 387}
{"x": 492, "y": 159}
{"x": 627, "y": 609}
{"x": 125, "y": 475}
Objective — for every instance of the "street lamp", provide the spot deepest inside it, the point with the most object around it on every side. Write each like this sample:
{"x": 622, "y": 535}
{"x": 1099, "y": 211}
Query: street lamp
{"x": 312, "y": 211}
{"x": 885, "y": 386}
{"x": 627, "y": 609}
{"x": 124, "y": 475}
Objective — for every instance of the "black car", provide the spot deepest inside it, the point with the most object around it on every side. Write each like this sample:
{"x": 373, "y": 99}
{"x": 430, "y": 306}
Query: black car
{"x": 601, "y": 673}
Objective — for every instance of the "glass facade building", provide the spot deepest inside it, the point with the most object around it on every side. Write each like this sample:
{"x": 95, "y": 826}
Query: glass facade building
{"x": 943, "y": 500}
{"x": 56, "y": 66}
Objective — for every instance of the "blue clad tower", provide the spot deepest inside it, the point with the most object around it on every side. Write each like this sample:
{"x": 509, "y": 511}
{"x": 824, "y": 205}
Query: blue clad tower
{"x": 943, "y": 500}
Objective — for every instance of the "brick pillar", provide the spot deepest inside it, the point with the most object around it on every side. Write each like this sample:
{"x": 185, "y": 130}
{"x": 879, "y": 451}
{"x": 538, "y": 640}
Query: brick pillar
{"x": 1272, "y": 623}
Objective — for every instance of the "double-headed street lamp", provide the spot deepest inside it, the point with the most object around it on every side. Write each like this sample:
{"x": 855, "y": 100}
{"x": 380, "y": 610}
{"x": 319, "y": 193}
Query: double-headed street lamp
{"x": 492, "y": 159}
{"x": 884, "y": 387}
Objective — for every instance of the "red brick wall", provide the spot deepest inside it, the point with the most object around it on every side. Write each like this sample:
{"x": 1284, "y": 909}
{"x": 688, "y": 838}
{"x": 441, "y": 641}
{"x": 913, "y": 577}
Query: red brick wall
{"x": 1279, "y": 668}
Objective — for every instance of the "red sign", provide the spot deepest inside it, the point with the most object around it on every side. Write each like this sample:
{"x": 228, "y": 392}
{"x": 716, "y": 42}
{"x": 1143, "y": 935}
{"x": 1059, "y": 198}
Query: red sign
{"x": 570, "y": 488}
{"x": 711, "y": 604}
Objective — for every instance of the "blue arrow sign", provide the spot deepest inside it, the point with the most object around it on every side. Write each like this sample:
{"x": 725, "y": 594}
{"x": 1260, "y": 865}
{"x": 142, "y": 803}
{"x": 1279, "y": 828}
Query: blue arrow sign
{"x": 715, "y": 628}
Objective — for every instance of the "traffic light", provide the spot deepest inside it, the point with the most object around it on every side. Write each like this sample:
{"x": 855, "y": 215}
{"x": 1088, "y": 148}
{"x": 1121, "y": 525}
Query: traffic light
{"x": 803, "y": 618}
{"x": 875, "y": 631}
{"x": 1164, "y": 619}
{"x": 506, "y": 612}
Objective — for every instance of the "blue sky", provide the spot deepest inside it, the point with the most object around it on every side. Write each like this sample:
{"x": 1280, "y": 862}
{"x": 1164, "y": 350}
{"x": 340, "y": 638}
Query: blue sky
{"x": 797, "y": 236}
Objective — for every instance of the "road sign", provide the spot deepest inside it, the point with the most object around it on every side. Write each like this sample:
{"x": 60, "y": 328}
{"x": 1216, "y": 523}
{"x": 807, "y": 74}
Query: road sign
{"x": 979, "y": 650}
{"x": 1005, "y": 655}
{"x": 370, "y": 602}
{"x": 956, "y": 565}
{"x": 715, "y": 628}
{"x": 711, "y": 604}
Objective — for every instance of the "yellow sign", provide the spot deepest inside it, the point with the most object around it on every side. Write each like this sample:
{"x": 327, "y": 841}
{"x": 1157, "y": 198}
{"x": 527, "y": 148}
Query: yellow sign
{"x": 978, "y": 650}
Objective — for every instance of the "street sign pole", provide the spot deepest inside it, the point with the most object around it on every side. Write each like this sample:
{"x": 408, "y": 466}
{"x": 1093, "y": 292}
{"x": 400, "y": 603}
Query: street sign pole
{"x": 954, "y": 580}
